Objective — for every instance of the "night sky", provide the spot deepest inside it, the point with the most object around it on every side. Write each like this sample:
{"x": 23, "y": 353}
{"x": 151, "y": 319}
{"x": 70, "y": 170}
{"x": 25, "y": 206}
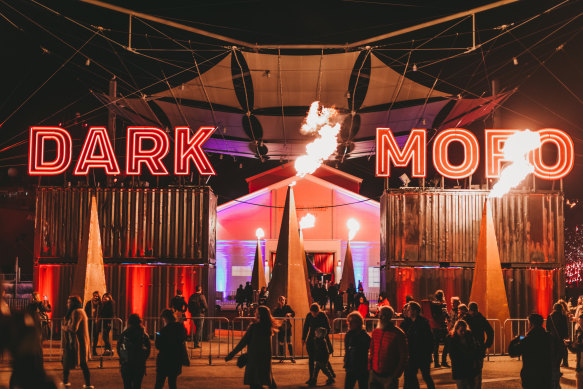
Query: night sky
{"x": 56, "y": 52}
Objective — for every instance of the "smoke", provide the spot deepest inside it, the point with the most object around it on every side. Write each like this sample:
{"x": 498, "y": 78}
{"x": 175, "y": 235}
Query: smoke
{"x": 325, "y": 123}
{"x": 308, "y": 221}
{"x": 516, "y": 150}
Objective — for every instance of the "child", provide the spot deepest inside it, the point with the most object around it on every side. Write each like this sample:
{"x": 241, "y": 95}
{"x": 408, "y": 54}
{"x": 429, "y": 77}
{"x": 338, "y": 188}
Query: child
{"x": 322, "y": 351}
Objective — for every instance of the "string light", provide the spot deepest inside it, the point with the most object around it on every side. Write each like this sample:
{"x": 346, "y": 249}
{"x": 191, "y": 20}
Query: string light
{"x": 574, "y": 257}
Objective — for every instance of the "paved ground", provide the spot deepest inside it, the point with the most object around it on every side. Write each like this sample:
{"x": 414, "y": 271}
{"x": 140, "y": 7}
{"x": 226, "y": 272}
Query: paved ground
{"x": 499, "y": 372}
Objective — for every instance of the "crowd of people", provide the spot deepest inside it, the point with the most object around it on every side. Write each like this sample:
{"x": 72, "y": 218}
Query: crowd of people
{"x": 376, "y": 358}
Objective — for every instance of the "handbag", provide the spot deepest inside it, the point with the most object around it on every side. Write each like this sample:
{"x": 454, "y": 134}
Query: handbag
{"x": 242, "y": 360}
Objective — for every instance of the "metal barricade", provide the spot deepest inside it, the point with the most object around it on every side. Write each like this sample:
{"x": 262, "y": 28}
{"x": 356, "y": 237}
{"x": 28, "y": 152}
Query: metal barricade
{"x": 280, "y": 348}
{"x": 497, "y": 347}
{"x": 512, "y": 329}
{"x": 52, "y": 342}
{"x": 213, "y": 337}
{"x": 103, "y": 334}
{"x": 340, "y": 328}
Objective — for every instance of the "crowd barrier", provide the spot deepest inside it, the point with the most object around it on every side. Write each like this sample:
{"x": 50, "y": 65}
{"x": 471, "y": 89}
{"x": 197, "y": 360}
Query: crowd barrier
{"x": 219, "y": 336}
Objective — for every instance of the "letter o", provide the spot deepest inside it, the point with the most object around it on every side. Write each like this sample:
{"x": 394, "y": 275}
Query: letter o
{"x": 471, "y": 153}
{"x": 565, "y": 155}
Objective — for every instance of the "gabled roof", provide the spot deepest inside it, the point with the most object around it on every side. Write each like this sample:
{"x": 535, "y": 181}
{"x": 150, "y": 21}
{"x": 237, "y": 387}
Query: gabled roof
{"x": 288, "y": 181}
{"x": 327, "y": 173}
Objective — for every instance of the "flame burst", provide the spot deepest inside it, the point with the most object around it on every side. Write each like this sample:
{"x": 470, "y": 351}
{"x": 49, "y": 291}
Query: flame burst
{"x": 516, "y": 149}
{"x": 308, "y": 221}
{"x": 322, "y": 121}
{"x": 353, "y": 227}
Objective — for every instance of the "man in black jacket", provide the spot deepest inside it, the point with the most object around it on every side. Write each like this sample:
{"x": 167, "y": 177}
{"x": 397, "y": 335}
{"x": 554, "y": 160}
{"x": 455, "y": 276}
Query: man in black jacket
{"x": 356, "y": 346}
{"x": 420, "y": 342}
{"x": 197, "y": 307}
{"x": 285, "y": 331}
{"x": 482, "y": 331}
{"x": 93, "y": 311}
{"x": 314, "y": 320}
{"x": 558, "y": 326}
{"x": 535, "y": 350}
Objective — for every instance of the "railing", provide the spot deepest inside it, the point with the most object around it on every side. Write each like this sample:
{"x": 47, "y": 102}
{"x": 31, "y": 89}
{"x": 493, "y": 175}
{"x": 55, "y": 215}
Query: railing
{"x": 340, "y": 328}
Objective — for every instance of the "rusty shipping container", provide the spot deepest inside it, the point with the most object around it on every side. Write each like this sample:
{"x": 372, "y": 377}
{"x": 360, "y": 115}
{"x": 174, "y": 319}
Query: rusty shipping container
{"x": 426, "y": 231}
{"x": 157, "y": 236}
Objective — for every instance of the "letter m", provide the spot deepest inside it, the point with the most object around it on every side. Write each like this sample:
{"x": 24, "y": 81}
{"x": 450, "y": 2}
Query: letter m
{"x": 388, "y": 151}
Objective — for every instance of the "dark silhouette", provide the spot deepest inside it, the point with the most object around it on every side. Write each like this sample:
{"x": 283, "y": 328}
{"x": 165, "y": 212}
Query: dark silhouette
{"x": 482, "y": 332}
{"x": 240, "y": 298}
{"x": 133, "y": 348}
{"x": 257, "y": 339}
{"x": 106, "y": 319}
{"x": 248, "y": 294}
{"x": 356, "y": 346}
{"x": 93, "y": 312}
{"x": 171, "y": 350}
{"x": 577, "y": 347}
{"x": 420, "y": 342}
{"x": 75, "y": 331}
{"x": 322, "y": 348}
{"x": 558, "y": 326}
{"x": 314, "y": 320}
{"x": 197, "y": 306}
{"x": 283, "y": 310}
{"x": 465, "y": 356}
{"x": 439, "y": 323}
{"x": 178, "y": 304}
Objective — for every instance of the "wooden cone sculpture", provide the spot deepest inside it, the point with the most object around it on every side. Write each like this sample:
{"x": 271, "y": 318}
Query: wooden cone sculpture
{"x": 305, "y": 262}
{"x": 258, "y": 275}
{"x": 288, "y": 277}
{"x": 488, "y": 288}
{"x": 89, "y": 273}
{"x": 347, "y": 270}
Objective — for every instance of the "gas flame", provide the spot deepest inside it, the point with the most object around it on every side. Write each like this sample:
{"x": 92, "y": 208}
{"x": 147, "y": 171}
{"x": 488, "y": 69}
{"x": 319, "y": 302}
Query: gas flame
{"x": 308, "y": 221}
{"x": 353, "y": 227}
{"x": 516, "y": 149}
{"x": 259, "y": 233}
{"x": 324, "y": 122}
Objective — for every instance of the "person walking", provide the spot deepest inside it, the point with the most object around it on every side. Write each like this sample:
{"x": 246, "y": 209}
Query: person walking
{"x": 420, "y": 342}
{"x": 536, "y": 352}
{"x": 356, "y": 346}
{"x": 106, "y": 318}
{"x": 285, "y": 332}
{"x": 75, "y": 332}
{"x": 452, "y": 318}
{"x": 197, "y": 306}
{"x": 322, "y": 350}
{"x": 439, "y": 323}
{"x": 333, "y": 295}
{"x": 178, "y": 304}
{"x": 314, "y": 320}
{"x": 465, "y": 354}
{"x": 257, "y": 339}
{"x": 248, "y": 294}
{"x": 558, "y": 326}
{"x": 240, "y": 299}
{"x": 133, "y": 348}
{"x": 172, "y": 354}
{"x": 576, "y": 346}
{"x": 93, "y": 312}
{"x": 482, "y": 331}
{"x": 388, "y": 353}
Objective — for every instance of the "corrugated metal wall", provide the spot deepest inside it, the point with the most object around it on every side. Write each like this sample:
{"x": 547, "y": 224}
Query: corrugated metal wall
{"x": 444, "y": 225}
{"x": 174, "y": 225}
{"x": 142, "y": 289}
{"x": 528, "y": 290}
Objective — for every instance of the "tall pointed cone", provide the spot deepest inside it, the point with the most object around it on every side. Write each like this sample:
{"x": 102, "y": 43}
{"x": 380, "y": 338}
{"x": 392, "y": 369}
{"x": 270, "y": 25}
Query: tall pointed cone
{"x": 89, "y": 271}
{"x": 347, "y": 270}
{"x": 305, "y": 262}
{"x": 288, "y": 277}
{"x": 258, "y": 275}
{"x": 488, "y": 288}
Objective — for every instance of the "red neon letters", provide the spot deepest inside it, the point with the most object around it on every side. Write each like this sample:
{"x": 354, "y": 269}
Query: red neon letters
{"x": 36, "y": 152}
{"x": 144, "y": 146}
{"x": 414, "y": 152}
{"x": 388, "y": 149}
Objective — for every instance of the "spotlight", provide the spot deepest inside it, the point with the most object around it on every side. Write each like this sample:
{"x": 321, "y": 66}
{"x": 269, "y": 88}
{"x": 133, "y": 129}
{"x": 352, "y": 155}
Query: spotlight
{"x": 515, "y": 61}
{"x": 414, "y": 67}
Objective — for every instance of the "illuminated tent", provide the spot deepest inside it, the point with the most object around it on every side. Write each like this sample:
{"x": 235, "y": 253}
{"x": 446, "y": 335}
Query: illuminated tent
{"x": 258, "y": 102}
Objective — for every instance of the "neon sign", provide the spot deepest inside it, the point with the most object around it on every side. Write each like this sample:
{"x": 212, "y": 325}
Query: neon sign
{"x": 414, "y": 152}
{"x": 97, "y": 151}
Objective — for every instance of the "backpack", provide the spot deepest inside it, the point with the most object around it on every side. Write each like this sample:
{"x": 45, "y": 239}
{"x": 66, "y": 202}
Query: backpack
{"x": 130, "y": 351}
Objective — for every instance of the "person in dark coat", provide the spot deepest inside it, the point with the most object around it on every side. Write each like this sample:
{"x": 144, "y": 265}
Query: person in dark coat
{"x": 248, "y": 294}
{"x": 452, "y": 318}
{"x": 420, "y": 342}
{"x": 263, "y": 295}
{"x": 314, "y": 320}
{"x": 465, "y": 355}
{"x": 558, "y": 326}
{"x": 350, "y": 296}
{"x": 133, "y": 348}
{"x": 439, "y": 329}
{"x": 40, "y": 310}
{"x": 333, "y": 295}
{"x": 178, "y": 304}
{"x": 322, "y": 350}
{"x": 536, "y": 352}
{"x": 240, "y": 298}
{"x": 107, "y": 314}
{"x": 285, "y": 331}
{"x": 93, "y": 311}
{"x": 257, "y": 339}
{"x": 76, "y": 341}
{"x": 170, "y": 342}
{"x": 482, "y": 331}
{"x": 356, "y": 346}
{"x": 197, "y": 306}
